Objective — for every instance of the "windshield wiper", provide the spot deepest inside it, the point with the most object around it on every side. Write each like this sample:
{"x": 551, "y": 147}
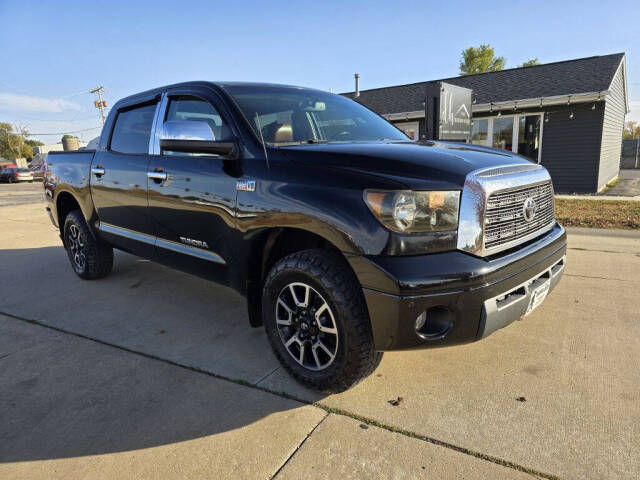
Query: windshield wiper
{"x": 300, "y": 142}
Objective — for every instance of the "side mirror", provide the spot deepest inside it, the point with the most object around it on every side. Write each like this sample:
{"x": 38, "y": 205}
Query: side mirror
{"x": 194, "y": 136}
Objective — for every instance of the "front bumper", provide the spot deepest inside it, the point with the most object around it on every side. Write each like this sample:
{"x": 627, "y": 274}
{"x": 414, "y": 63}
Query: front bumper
{"x": 465, "y": 297}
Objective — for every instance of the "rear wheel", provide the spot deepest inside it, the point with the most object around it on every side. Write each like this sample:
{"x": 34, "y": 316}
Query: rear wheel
{"x": 316, "y": 321}
{"x": 89, "y": 258}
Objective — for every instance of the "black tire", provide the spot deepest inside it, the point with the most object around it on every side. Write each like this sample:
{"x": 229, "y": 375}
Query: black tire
{"x": 89, "y": 258}
{"x": 332, "y": 281}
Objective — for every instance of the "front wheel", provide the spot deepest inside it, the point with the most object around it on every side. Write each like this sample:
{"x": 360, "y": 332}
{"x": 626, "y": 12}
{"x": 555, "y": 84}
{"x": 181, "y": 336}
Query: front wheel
{"x": 89, "y": 258}
{"x": 317, "y": 322}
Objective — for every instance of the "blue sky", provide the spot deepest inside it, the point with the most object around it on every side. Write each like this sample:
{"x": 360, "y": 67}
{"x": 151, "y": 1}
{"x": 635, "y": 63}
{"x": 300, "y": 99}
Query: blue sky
{"x": 51, "y": 54}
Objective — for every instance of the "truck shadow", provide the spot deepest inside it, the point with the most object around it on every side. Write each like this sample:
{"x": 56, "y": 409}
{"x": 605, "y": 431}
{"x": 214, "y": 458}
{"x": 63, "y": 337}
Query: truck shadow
{"x": 137, "y": 367}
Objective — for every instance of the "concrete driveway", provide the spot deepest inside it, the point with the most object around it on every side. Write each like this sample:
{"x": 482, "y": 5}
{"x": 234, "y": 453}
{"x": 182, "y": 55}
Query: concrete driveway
{"x": 152, "y": 372}
{"x": 21, "y": 193}
{"x": 628, "y": 185}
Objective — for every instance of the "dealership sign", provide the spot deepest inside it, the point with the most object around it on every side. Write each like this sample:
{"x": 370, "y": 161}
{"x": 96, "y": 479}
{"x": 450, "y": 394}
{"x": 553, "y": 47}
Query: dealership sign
{"x": 448, "y": 112}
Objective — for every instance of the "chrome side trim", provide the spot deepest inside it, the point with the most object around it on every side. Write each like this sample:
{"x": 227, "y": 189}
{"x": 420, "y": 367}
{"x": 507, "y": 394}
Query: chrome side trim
{"x": 126, "y": 233}
{"x": 189, "y": 250}
{"x": 477, "y": 189}
{"x": 156, "y": 129}
{"x": 158, "y": 242}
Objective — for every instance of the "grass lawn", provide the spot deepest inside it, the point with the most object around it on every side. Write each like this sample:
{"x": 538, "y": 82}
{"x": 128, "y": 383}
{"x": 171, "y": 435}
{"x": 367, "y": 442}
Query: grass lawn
{"x": 598, "y": 213}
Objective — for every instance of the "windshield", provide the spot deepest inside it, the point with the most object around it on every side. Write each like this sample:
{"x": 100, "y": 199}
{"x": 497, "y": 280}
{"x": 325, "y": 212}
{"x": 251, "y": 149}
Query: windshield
{"x": 290, "y": 115}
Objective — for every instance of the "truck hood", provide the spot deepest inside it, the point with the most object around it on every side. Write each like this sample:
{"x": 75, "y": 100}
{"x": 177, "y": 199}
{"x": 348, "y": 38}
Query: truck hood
{"x": 417, "y": 165}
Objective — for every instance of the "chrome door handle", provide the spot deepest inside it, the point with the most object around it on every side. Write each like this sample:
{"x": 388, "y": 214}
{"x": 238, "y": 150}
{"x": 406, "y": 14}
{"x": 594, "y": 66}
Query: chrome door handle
{"x": 161, "y": 176}
{"x": 97, "y": 171}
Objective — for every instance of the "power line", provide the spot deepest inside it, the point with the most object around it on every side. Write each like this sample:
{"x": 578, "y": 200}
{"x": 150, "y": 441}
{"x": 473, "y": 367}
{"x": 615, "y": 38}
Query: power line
{"x": 29, "y": 134}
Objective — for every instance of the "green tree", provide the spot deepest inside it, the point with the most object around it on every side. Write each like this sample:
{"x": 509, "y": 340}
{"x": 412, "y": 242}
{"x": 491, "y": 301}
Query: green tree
{"x": 12, "y": 142}
{"x": 33, "y": 143}
{"x": 631, "y": 130}
{"x": 530, "y": 63}
{"x": 480, "y": 60}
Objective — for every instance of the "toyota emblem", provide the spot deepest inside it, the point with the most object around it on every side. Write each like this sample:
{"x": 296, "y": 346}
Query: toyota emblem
{"x": 529, "y": 209}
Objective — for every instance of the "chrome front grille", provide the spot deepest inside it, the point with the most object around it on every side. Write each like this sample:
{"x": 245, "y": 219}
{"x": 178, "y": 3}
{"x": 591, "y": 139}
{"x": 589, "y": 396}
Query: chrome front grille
{"x": 504, "y": 219}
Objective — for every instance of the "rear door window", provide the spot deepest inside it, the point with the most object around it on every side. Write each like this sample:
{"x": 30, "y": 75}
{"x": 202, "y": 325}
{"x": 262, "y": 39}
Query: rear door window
{"x": 132, "y": 130}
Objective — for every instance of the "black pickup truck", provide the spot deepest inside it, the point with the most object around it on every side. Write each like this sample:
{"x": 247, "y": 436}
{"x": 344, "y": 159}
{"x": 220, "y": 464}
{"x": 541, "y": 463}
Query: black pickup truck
{"x": 346, "y": 238}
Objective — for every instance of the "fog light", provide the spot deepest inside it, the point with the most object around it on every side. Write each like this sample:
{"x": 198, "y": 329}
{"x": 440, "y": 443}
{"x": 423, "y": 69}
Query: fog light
{"x": 434, "y": 323}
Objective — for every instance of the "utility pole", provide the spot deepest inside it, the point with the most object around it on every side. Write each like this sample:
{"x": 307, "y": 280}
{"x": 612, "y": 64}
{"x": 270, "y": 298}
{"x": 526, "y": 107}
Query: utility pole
{"x": 100, "y": 103}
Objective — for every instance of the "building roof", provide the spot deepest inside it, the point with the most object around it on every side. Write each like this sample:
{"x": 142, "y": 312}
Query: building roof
{"x": 583, "y": 75}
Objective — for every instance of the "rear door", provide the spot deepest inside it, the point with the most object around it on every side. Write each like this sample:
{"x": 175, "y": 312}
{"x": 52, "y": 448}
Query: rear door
{"x": 119, "y": 181}
{"x": 193, "y": 199}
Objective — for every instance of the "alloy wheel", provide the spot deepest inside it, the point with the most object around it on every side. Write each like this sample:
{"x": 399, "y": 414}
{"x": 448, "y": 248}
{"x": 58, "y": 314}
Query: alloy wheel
{"x": 75, "y": 240}
{"x": 307, "y": 326}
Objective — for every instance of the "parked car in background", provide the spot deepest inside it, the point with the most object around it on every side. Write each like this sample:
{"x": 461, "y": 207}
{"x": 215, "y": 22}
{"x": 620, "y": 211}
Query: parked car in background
{"x": 16, "y": 175}
{"x": 37, "y": 172}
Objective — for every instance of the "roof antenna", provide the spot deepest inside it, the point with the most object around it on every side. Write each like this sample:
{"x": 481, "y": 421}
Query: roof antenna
{"x": 264, "y": 145}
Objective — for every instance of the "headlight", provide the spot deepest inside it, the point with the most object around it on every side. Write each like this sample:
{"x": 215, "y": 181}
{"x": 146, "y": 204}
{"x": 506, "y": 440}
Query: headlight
{"x": 407, "y": 211}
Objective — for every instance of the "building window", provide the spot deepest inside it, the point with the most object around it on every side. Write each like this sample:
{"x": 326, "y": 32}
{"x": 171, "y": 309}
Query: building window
{"x": 503, "y": 133}
{"x": 516, "y": 133}
{"x": 480, "y": 131}
{"x": 410, "y": 129}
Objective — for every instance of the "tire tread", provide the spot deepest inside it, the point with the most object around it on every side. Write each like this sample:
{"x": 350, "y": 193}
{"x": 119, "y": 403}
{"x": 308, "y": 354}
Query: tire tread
{"x": 332, "y": 271}
{"x": 99, "y": 256}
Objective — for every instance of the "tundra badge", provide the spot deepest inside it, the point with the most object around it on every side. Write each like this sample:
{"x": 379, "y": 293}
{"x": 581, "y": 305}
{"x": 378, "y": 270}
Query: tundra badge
{"x": 195, "y": 243}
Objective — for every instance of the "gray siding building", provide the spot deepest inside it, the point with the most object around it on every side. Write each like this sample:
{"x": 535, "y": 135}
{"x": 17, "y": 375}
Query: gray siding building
{"x": 566, "y": 115}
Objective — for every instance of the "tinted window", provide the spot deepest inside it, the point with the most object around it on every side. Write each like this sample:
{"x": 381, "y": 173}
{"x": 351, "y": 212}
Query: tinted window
{"x": 285, "y": 115}
{"x": 199, "y": 110}
{"x": 132, "y": 130}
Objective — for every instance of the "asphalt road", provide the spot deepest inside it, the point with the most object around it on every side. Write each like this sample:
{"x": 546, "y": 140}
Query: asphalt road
{"x": 153, "y": 373}
{"x": 22, "y": 193}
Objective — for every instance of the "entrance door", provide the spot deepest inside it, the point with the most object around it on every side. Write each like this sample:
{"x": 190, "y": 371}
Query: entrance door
{"x": 119, "y": 181}
{"x": 192, "y": 199}
{"x": 529, "y": 136}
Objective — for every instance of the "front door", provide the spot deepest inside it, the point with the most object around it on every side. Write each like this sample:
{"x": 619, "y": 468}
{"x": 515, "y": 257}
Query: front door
{"x": 192, "y": 200}
{"x": 119, "y": 182}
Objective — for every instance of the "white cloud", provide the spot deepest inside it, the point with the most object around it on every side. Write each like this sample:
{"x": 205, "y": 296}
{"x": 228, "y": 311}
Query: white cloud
{"x": 12, "y": 102}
